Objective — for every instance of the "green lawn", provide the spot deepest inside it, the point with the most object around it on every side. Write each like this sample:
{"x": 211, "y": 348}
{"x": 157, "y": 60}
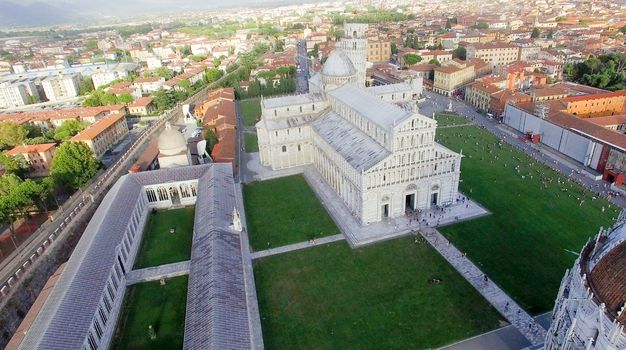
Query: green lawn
{"x": 284, "y": 211}
{"x": 147, "y": 304}
{"x": 250, "y": 142}
{"x": 527, "y": 244}
{"x": 251, "y": 110}
{"x": 377, "y": 297}
{"x": 159, "y": 246}
{"x": 447, "y": 119}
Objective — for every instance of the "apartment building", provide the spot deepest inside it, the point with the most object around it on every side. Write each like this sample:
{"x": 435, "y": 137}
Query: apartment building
{"x": 61, "y": 86}
{"x": 15, "y": 94}
{"x": 142, "y": 106}
{"x": 39, "y": 157}
{"x": 456, "y": 73}
{"x": 478, "y": 94}
{"x": 106, "y": 76}
{"x": 495, "y": 53}
{"x": 103, "y": 134}
{"x": 378, "y": 50}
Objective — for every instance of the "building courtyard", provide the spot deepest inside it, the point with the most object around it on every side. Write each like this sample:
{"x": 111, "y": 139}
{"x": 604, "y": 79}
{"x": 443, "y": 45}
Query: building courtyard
{"x": 162, "y": 246}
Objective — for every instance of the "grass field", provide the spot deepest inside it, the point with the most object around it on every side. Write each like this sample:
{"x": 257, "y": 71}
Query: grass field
{"x": 284, "y": 211}
{"x": 537, "y": 221}
{"x": 159, "y": 246}
{"x": 147, "y": 304}
{"x": 377, "y": 297}
{"x": 251, "y": 110}
{"x": 251, "y": 142}
{"x": 448, "y": 119}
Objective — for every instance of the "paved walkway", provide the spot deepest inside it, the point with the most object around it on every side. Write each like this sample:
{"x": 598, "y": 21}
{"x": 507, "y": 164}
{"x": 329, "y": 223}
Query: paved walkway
{"x": 504, "y": 338}
{"x": 297, "y": 246}
{"x": 489, "y": 290}
{"x": 358, "y": 235}
{"x": 157, "y": 272}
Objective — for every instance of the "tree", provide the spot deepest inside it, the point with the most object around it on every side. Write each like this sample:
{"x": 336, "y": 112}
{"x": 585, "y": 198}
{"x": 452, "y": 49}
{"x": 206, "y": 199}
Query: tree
{"x": 86, "y": 86}
{"x": 68, "y": 129}
{"x": 550, "y": 34}
{"x": 74, "y": 165}
{"x": 536, "y": 32}
{"x": 125, "y": 98}
{"x": 91, "y": 44}
{"x": 8, "y": 182}
{"x": 394, "y": 49}
{"x": 211, "y": 139}
{"x": 435, "y": 62}
{"x": 481, "y": 25}
{"x": 11, "y": 134}
{"x": 459, "y": 53}
{"x": 163, "y": 100}
{"x": 411, "y": 59}
{"x": 213, "y": 74}
{"x": 16, "y": 164}
{"x": 164, "y": 72}
{"x": 623, "y": 29}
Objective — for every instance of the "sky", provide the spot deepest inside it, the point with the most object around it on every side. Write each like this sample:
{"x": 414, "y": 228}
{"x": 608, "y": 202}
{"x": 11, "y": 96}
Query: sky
{"x": 46, "y": 12}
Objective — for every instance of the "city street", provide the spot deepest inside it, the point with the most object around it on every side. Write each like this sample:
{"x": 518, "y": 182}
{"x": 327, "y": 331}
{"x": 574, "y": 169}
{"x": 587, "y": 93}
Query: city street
{"x": 435, "y": 103}
{"x": 302, "y": 69}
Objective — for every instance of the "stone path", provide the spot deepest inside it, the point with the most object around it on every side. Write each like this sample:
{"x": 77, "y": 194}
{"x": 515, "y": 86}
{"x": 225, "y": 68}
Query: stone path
{"x": 254, "y": 171}
{"x": 358, "y": 235}
{"x": 297, "y": 246}
{"x": 157, "y": 272}
{"x": 524, "y": 323}
{"x": 455, "y": 126}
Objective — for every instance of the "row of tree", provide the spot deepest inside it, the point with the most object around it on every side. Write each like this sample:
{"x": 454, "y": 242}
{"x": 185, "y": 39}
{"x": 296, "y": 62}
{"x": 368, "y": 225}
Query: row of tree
{"x": 12, "y": 134}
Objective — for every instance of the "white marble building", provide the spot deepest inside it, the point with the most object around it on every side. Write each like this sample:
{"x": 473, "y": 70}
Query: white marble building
{"x": 590, "y": 310}
{"x": 369, "y": 144}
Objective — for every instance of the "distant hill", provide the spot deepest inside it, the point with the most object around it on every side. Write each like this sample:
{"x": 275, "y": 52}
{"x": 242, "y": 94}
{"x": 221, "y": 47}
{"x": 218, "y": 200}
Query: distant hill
{"x": 35, "y": 14}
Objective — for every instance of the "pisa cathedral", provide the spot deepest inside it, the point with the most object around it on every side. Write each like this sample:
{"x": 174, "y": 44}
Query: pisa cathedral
{"x": 368, "y": 143}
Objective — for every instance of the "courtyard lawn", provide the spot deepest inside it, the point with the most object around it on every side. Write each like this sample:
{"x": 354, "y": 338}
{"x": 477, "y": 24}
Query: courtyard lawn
{"x": 538, "y": 225}
{"x": 159, "y": 246}
{"x": 284, "y": 211}
{"x": 377, "y": 297}
{"x": 251, "y": 110}
{"x": 448, "y": 119}
{"x": 147, "y": 304}
{"x": 250, "y": 142}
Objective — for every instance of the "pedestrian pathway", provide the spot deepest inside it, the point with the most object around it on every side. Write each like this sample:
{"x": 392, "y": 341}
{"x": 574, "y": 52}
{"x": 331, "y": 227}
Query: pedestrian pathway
{"x": 524, "y": 323}
{"x": 157, "y": 272}
{"x": 297, "y": 246}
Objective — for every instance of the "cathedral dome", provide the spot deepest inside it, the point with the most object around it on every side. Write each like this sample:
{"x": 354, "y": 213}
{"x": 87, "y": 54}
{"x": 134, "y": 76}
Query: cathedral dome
{"x": 338, "y": 64}
{"x": 171, "y": 141}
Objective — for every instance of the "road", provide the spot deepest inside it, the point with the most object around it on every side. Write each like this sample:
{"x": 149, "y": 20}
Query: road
{"x": 436, "y": 103}
{"x": 302, "y": 69}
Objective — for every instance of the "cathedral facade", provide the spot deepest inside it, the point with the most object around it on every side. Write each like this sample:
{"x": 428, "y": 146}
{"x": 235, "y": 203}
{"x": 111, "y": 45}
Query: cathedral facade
{"x": 369, "y": 144}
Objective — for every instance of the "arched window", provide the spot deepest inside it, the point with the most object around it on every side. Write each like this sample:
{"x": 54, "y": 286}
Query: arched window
{"x": 194, "y": 189}
{"x": 299, "y": 148}
{"x": 184, "y": 190}
{"x": 162, "y": 193}
{"x": 284, "y": 148}
{"x": 151, "y": 195}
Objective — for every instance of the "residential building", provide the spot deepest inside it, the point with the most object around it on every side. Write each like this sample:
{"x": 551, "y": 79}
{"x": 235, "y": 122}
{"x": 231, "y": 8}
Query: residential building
{"x": 143, "y": 106}
{"x": 61, "y": 86}
{"x": 478, "y": 94}
{"x": 103, "y": 134}
{"x": 451, "y": 77}
{"x": 494, "y": 53}
{"x": 17, "y": 93}
{"x": 39, "y": 157}
{"x": 106, "y": 76}
{"x": 378, "y": 50}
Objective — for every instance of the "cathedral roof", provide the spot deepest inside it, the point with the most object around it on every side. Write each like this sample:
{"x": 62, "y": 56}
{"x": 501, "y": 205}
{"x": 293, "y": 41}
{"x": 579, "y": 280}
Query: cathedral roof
{"x": 384, "y": 114}
{"x": 338, "y": 64}
{"x": 358, "y": 149}
{"x": 292, "y": 100}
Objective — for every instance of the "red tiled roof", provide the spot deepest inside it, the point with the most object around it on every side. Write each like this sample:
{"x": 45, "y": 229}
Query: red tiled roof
{"x": 98, "y": 127}
{"x": 595, "y": 96}
{"x": 21, "y": 149}
{"x": 142, "y": 102}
